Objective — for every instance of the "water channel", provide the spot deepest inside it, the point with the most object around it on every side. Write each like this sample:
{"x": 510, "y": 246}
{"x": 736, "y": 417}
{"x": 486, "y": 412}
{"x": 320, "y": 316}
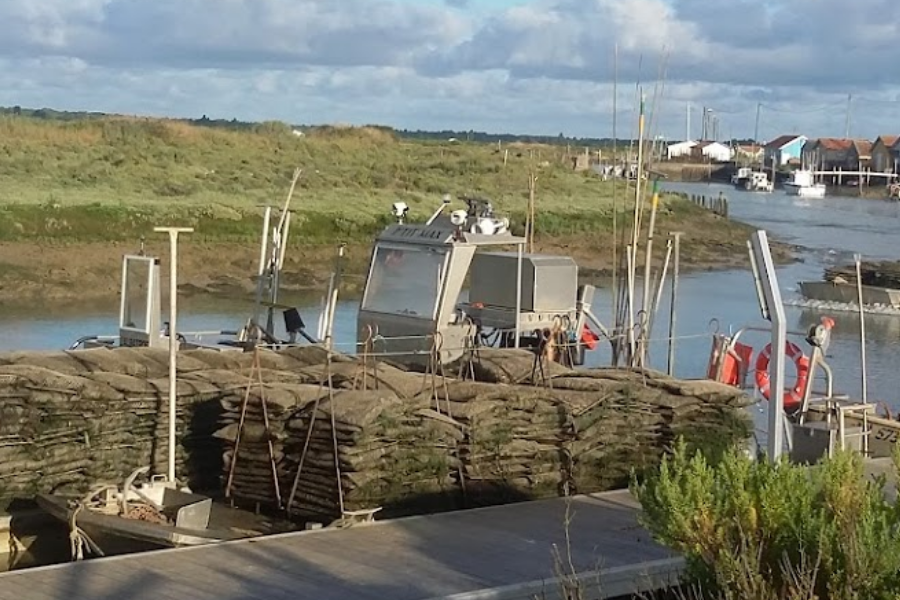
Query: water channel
{"x": 831, "y": 230}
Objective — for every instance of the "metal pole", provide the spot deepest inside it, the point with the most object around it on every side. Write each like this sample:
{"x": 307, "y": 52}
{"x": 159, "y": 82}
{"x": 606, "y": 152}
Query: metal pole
{"x": 173, "y": 335}
{"x": 659, "y": 287}
{"x": 333, "y": 297}
{"x": 629, "y": 255}
{"x": 862, "y": 327}
{"x": 676, "y": 249}
{"x": 519, "y": 259}
{"x": 775, "y": 309}
{"x": 263, "y": 252}
{"x": 648, "y": 283}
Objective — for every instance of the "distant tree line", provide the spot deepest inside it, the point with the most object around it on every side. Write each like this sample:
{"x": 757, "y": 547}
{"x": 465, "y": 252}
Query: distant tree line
{"x": 235, "y": 124}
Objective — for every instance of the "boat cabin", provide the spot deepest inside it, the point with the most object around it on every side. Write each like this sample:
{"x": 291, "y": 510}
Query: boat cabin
{"x": 414, "y": 303}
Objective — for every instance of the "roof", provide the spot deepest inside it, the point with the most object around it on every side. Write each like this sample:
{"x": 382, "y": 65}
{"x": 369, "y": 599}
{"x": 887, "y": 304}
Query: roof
{"x": 863, "y": 148}
{"x": 707, "y": 143}
{"x": 783, "y": 140}
{"x": 888, "y": 140}
{"x": 689, "y": 143}
{"x": 834, "y": 143}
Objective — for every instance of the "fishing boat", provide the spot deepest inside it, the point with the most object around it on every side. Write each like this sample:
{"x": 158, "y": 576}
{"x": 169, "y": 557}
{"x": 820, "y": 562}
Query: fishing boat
{"x": 414, "y": 309}
{"x": 802, "y": 183}
{"x": 150, "y": 515}
{"x": 752, "y": 181}
{"x": 141, "y": 322}
{"x": 880, "y": 285}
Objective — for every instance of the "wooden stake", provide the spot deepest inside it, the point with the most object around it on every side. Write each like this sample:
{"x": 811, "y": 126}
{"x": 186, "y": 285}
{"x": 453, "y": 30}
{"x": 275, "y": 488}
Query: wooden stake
{"x": 529, "y": 229}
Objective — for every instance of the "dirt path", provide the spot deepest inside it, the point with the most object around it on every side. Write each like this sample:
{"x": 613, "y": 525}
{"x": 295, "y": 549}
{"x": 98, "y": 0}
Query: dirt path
{"x": 46, "y": 274}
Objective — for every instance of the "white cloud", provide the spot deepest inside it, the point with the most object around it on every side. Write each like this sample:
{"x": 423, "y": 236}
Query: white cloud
{"x": 541, "y": 65}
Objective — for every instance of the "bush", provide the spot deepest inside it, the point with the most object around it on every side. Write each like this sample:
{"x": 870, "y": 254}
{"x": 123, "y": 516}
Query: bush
{"x": 763, "y": 530}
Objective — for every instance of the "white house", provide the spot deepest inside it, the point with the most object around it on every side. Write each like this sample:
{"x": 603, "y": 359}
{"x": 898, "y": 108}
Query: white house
{"x": 713, "y": 151}
{"x": 679, "y": 149}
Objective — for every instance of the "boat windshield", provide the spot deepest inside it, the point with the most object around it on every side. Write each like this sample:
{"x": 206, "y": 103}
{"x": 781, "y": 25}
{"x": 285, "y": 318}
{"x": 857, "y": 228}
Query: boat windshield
{"x": 136, "y": 294}
{"x": 405, "y": 280}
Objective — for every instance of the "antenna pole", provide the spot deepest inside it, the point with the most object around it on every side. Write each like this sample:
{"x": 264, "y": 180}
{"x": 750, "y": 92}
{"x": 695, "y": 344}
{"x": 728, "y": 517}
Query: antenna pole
{"x": 849, "y": 110}
{"x": 687, "y": 130}
{"x": 173, "y": 335}
{"x": 615, "y": 223}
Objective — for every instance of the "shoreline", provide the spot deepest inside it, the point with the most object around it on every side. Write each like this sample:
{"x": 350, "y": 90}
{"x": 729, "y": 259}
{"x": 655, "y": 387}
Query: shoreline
{"x": 74, "y": 276}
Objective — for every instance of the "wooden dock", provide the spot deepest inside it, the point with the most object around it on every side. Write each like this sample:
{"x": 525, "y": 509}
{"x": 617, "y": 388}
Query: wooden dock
{"x": 503, "y": 552}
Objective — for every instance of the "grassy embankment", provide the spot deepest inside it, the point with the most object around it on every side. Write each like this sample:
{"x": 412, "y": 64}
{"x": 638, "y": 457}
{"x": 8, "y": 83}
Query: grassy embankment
{"x": 74, "y": 196}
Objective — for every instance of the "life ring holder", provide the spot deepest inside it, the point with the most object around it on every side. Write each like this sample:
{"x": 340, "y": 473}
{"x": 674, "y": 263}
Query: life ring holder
{"x": 793, "y": 397}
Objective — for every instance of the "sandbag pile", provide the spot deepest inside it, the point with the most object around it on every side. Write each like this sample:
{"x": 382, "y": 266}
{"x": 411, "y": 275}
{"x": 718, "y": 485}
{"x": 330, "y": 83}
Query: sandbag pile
{"x": 391, "y": 443}
{"x": 70, "y": 420}
{"x": 410, "y": 442}
{"x": 366, "y": 435}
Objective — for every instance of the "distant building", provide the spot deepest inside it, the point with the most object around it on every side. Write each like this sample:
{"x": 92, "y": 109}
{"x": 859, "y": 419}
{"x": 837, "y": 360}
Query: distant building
{"x": 680, "y": 149}
{"x": 784, "y": 149}
{"x": 885, "y": 158}
{"x": 831, "y": 154}
{"x": 751, "y": 152}
{"x": 712, "y": 151}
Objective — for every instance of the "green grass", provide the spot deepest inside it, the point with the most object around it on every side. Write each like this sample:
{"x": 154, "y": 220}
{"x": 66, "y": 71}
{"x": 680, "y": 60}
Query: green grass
{"x": 115, "y": 178}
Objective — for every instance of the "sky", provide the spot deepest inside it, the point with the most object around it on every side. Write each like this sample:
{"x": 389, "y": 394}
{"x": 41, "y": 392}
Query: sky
{"x": 517, "y": 66}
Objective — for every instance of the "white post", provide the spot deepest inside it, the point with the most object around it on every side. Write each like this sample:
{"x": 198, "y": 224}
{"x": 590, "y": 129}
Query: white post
{"x": 862, "y": 327}
{"x": 772, "y": 309}
{"x": 173, "y": 335}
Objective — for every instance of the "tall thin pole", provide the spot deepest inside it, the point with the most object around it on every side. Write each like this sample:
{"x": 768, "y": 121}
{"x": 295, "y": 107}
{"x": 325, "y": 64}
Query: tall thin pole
{"x": 638, "y": 206}
{"x": 670, "y": 368}
{"x": 849, "y": 110}
{"x": 648, "y": 284}
{"x": 173, "y": 335}
{"x": 756, "y": 126}
{"x": 687, "y": 130}
{"x": 615, "y": 191}
{"x": 862, "y": 327}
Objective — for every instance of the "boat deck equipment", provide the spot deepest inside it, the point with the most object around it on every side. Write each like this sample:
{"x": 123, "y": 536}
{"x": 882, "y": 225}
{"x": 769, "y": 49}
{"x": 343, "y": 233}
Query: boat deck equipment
{"x": 414, "y": 308}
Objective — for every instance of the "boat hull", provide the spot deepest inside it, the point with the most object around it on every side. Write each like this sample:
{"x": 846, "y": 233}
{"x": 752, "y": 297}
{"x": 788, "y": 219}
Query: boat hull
{"x": 846, "y": 293}
{"x": 804, "y": 191}
{"x": 884, "y": 436}
{"x": 129, "y": 535}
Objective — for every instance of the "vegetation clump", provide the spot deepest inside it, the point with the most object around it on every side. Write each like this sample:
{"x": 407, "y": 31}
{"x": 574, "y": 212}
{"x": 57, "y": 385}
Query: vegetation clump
{"x": 773, "y": 530}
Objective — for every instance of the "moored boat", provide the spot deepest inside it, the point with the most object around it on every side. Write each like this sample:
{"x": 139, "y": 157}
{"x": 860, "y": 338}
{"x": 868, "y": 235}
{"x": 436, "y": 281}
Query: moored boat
{"x": 802, "y": 184}
{"x": 151, "y": 515}
{"x": 880, "y": 285}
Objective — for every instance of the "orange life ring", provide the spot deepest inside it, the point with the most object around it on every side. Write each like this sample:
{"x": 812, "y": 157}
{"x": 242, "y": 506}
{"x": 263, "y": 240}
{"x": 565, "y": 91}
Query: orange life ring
{"x": 793, "y": 397}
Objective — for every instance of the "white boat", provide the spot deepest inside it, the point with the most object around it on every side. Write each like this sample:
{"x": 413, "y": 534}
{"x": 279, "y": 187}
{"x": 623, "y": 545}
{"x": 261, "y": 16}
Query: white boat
{"x": 802, "y": 184}
{"x": 758, "y": 181}
{"x": 741, "y": 176}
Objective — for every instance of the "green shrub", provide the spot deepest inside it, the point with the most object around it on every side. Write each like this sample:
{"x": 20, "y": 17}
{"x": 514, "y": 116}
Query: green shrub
{"x": 763, "y": 530}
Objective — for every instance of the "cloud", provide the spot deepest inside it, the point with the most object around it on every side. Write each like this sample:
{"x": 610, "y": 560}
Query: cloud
{"x": 532, "y": 65}
{"x": 228, "y": 33}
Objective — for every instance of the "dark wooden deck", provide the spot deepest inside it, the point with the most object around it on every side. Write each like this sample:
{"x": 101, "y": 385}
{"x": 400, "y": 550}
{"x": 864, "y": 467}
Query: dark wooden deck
{"x": 499, "y": 552}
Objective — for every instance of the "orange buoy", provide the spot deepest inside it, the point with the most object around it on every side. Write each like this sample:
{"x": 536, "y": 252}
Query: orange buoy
{"x": 589, "y": 338}
{"x": 794, "y": 396}
{"x": 734, "y": 362}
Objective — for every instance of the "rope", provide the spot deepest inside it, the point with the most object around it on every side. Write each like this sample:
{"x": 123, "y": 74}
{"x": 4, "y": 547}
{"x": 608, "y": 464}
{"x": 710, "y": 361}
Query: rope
{"x": 78, "y": 539}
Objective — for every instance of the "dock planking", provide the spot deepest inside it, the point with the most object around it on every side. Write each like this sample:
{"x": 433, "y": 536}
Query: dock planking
{"x": 488, "y": 553}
